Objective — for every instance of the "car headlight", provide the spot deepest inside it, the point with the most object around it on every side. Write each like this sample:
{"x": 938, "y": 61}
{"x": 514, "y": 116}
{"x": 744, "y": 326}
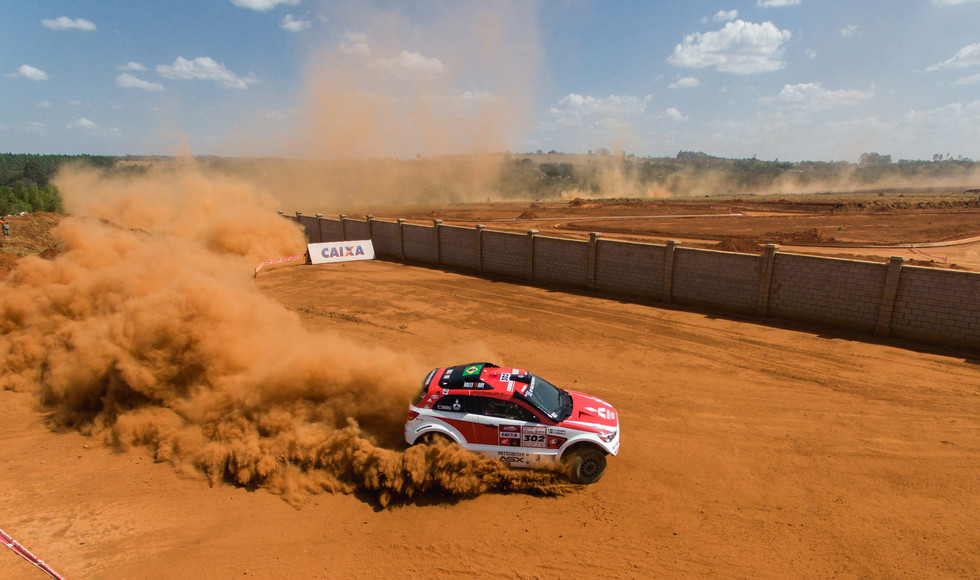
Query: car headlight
{"x": 608, "y": 437}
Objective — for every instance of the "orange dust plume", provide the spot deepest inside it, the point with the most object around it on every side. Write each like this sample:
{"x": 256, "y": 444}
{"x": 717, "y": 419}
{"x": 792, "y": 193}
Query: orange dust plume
{"x": 413, "y": 103}
{"x": 147, "y": 329}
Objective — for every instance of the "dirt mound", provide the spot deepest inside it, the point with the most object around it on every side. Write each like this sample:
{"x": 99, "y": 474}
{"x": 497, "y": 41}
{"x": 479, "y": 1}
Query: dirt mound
{"x": 808, "y": 236}
{"x": 738, "y": 245}
{"x": 7, "y": 263}
{"x": 30, "y": 234}
{"x": 527, "y": 215}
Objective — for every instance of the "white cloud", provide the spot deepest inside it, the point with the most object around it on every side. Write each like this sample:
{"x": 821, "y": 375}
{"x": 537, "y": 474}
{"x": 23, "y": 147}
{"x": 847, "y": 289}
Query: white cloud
{"x": 967, "y": 56}
{"x": 611, "y": 105}
{"x": 740, "y": 47}
{"x": 293, "y": 25}
{"x": 26, "y": 71}
{"x": 673, "y": 114}
{"x": 128, "y": 81}
{"x": 82, "y": 123}
{"x": 263, "y": 5}
{"x": 355, "y": 43}
{"x": 777, "y": 3}
{"x": 581, "y": 110}
{"x": 811, "y": 97}
{"x": 849, "y": 30}
{"x": 44, "y": 104}
{"x": 970, "y": 80}
{"x": 684, "y": 83}
{"x": 725, "y": 15}
{"x": 409, "y": 64}
{"x": 205, "y": 69}
{"x": 131, "y": 65}
{"x": 810, "y": 53}
{"x": 956, "y": 118}
{"x": 65, "y": 23}
{"x": 951, "y": 2}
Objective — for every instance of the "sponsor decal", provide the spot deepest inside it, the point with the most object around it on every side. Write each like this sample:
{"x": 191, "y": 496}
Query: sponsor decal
{"x": 457, "y": 406}
{"x": 467, "y": 385}
{"x": 556, "y": 442}
{"x": 534, "y": 436}
{"x": 445, "y": 391}
{"x": 556, "y": 431}
{"x": 512, "y": 457}
{"x": 428, "y": 379}
{"x": 330, "y": 252}
{"x": 603, "y": 412}
{"x": 504, "y": 377}
{"x": 510, "y": 386}
{"x": 509, "y": 436}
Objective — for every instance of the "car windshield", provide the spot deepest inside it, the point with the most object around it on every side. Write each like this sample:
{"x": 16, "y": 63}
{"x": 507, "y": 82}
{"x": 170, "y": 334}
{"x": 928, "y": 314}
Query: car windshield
{"x": 549, "y": 399}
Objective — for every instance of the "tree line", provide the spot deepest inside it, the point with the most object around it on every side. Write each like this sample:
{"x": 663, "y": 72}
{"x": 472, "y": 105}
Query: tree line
{"x": 25, "y": 180}
{"x": 696, "y": 172}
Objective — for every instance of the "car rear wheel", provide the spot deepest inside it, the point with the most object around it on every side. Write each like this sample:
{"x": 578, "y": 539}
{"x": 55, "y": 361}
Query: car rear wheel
{"x": 586, "y": 465}
{"x": 435, "y": 439}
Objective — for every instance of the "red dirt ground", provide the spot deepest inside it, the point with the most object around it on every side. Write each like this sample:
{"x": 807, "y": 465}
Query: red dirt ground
{"x": 749, "y": 450}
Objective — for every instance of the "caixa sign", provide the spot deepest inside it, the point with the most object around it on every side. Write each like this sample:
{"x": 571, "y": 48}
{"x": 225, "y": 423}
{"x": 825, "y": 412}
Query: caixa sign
{"x": 329, "y": 252}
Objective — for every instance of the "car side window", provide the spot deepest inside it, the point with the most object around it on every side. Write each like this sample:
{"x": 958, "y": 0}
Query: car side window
{"x": 502, "y": 409}
{"x": 452, "y": 403}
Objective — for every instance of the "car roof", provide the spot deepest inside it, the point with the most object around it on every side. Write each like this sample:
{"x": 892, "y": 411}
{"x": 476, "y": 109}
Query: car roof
{"x": 482, "y": 376}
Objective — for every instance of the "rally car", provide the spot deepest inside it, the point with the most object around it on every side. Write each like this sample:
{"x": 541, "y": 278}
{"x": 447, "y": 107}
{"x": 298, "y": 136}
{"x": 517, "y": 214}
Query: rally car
{"x": 516, "y": 417}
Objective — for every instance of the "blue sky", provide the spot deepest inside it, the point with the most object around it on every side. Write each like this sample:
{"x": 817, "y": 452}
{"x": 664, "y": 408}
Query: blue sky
{"x": 777, "y": 79}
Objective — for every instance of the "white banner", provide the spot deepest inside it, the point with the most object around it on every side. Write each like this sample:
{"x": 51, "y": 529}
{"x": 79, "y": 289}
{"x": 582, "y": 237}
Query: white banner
{"x": 330, "y": 252}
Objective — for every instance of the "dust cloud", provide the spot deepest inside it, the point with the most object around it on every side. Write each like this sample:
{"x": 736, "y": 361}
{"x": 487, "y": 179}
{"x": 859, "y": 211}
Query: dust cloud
{"x": 146, "y": 329}
{"x": 406, "y": 104}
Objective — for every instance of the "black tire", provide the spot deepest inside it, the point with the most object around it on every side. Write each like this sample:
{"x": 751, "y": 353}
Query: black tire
{"x": 586, "y": 465}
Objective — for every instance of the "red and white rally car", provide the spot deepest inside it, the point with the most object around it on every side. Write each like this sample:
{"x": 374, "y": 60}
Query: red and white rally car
{"x": 516, "y": 417}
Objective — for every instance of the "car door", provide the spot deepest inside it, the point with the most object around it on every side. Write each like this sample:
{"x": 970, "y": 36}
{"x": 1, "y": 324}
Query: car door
{"x": 454, "y": 411}
{"x": 506, "y": 430}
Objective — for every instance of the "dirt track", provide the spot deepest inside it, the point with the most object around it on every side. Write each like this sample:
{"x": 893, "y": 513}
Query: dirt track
{"x": 748, "y": 451}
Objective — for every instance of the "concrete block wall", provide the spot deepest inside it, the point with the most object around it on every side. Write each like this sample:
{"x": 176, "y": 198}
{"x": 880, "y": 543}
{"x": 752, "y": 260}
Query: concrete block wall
{"x": 459, "y": 247}
{"x": 925, "y": 304}
{"x": 311, "y": 225}
{"x": 387, "y": 238}
{"x": 507, "y": 254}
{"x": 419, "y": 243}
{"x": 937, "y": 305}
{"x": 723, "y": 280}
{"x": 560, "y": 261}
{"x": 628, "y": 268}
{"x": 844, "y": 293}
{"x": 331, "y": 231}
{"x": 357, "y": 229}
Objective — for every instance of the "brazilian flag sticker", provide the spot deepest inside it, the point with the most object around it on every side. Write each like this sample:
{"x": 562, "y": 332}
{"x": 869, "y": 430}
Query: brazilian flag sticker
{"x": 472, "y": 370}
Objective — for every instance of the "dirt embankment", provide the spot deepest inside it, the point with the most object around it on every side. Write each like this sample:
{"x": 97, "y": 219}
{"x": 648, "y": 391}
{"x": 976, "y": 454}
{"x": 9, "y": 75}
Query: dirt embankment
{"x": 29, "y": 235}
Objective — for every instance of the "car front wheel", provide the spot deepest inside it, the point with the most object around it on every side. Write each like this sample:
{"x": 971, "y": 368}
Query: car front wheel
{"x": 586, "y": 465}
